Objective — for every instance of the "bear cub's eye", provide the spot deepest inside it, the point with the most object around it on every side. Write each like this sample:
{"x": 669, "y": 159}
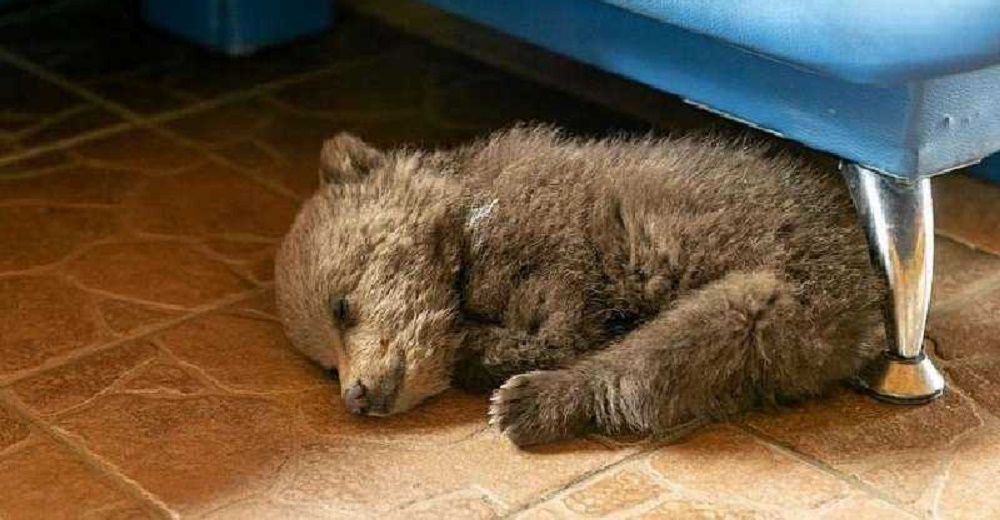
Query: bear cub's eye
{"x": 341, "y": 309}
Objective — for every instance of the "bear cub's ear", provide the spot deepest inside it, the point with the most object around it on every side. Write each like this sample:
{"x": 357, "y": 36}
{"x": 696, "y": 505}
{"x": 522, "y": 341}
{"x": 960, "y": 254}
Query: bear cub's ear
{"x": 345, "y": 158}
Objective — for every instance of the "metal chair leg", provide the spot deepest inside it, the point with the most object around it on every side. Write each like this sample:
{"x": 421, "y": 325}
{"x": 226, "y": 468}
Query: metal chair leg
{"x": 898, "y": 219}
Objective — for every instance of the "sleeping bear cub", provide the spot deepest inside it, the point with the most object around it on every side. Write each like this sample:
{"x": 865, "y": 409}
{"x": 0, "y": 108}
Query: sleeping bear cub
{"x": 617, "y": 285}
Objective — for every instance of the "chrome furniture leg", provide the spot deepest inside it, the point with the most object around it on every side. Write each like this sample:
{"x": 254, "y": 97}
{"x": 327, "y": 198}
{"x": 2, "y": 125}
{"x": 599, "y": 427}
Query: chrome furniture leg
{"x": 898, "y": 218}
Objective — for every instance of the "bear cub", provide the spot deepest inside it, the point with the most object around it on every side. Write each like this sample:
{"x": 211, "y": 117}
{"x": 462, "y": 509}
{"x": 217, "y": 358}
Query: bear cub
{"x": 612, "y": 285}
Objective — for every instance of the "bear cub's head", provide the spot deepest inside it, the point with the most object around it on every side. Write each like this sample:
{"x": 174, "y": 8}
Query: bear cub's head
{"x": 366, "y": 279}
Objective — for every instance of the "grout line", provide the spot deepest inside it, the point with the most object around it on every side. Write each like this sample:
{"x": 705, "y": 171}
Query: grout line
{"x": 940, "y": 479}
{"x": 56, "y": 79}
{"x": 583, "y": 477}
{"x": 825, "y": 467}
{"x": 218, "y": 158}
{"x": 62, "y": 144}
{"x": 142, "y": 333}
{"x": 967, "y": 243}
{"x": 677, "y": 434}
{"x": 91, "y": 460}
{"x": 203, "y": 105}
{"x": 137, "y": 119}
{"x": 155, "y": 122}
{"x": 239, "y": 95}
{"x": 44, "y": 123}
{"x": 199, "y": 373}
{"x": 986, "y": 417}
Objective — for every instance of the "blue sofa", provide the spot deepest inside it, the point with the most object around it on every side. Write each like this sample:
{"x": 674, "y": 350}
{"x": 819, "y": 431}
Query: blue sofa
{"x": 901, "y": 90}
{"x": 903, "y": 87}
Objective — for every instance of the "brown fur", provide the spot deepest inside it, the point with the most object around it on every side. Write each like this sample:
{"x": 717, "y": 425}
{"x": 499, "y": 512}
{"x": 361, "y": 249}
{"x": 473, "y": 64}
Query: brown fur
{"x": 621, "y": 284}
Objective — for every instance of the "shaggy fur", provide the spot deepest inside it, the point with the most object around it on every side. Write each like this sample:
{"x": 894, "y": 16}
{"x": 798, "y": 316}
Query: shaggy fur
{"x": 617, "y": 285}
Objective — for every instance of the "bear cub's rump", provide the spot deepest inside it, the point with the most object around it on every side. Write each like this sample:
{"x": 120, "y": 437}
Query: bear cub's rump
{"x": 618, "y": 285}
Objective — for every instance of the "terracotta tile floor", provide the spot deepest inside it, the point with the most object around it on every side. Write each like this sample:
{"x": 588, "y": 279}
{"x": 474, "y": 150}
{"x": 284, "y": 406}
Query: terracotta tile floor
{"x": 143, "y": 185}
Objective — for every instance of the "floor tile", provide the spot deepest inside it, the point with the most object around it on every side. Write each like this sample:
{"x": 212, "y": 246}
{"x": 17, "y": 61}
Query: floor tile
{"x": 701, "y": 510}
{"x": 148, "y": 72}
{"x": 261, "y": 138}
{"x": 277, "y": 135}
{"x": 720, "y": 472}
{"x": 203, "y": 453}
{"x": 67, "y": 184}
{"x": 34, "y": 162}
{"x": 192, "y": 452}
{"x": 116, "y": 240}
{"x": 861, "y": 507}
{"x": 472, "y": 503}
{"x": 32, "y": 476}
{"x": 243, "y": 354}
{"x": 716, "y": 463}
{"x": 139, "y": 151}
{"x": 352, "y": 90}
{"x": 40, "y": 479}
{"x": 13, "y": 430}
{"x": 34, "y": 112}
{"x": 65, "y": 387}
{"x": 125, "y": 317}
{"x": 456, "y": 101}
{"x": 964, "y": 338}
{"x": 170, "y": 273}
{"x": 516, "y": 477}
{"x": 900, "y": 451}
{"x": 979, "y": 378}
{"x": 34, "y": 236}
{"x": 76, "y": 274}
{"x": 43, "y": 317}
{"x": 262, "y": 305}
{"x": 266, "y": 510}
{"x": 613, "y": 493}
{"x": 206, "y": 201}
{"x": 967, "y": 210}
{"x": 959, "y": 268}
{"x": 134, "y": 367}
{"x": 273, "y": 432}
{"x": 969, "y": 489}
{"x": 252, "y": 257}
{"x": 968, "y": 328}
{"x": 282, "y": 144}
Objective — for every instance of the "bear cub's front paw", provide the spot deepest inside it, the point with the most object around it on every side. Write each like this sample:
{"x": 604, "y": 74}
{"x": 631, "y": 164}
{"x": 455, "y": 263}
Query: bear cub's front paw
{"x": 539, "y": 407}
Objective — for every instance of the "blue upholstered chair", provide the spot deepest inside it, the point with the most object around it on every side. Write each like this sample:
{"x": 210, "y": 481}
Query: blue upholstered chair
{"x": 900, "y": 89}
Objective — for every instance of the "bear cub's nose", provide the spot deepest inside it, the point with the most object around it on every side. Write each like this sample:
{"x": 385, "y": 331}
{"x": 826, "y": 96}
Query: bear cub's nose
{"x": 356, "y": 398}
